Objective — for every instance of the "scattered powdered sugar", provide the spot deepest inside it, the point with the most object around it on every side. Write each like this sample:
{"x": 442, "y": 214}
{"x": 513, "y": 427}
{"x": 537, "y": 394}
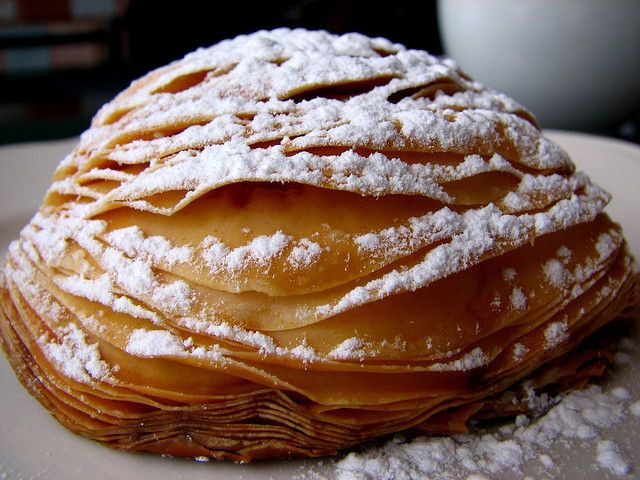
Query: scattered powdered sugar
{"x": 74, "y": 357}
{"x": 214, "y": 252}
{"x": 516, "y": 201}
{"x": 621, "y": 393}
{"x": 304, "y": 254}
{"x": 394, "y": 242}
{"x": 149, "y": 343}
{"x": 609, "y": 457}
{"x": 546, "y": 461}
{"x": 263, "y": 248}
{"x": 518, "y": 299}
{"x": 263, "y": 343}
{"x": 555, "y": 334}
{"x": 555, "y": 272}
{"x": 606, "y": 244}
{"x": 519, "y": 351}
{"x": 483, "y": 230}
{"x": 473, "y": 359}
{"x": 39, "y": 298}
{"x": 250, "y": 98}
{"x": 101, "y": 290}
{"x": 176, "y": 297}
{"x": 554, "y": 186}
{"x": 348, "y": 349}
{"x": 580, "y": 415}
{"x": 132, "y": 241}
{"x": 135, "y": 275}
{"x": 260, "y": 75}
{"x": 153, "y": 343}
{"x": 260, "y": 251}
{"x": 302, "y": 352}
{"x": 123, "y": 278}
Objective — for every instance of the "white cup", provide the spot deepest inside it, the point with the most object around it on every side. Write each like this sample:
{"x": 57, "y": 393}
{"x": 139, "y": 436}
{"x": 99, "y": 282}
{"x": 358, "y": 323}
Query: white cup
{"x": 574, "y": 63}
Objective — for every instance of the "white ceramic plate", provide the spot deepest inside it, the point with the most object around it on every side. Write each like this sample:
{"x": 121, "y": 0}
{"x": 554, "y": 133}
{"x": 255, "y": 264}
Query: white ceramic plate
{"x": 33, "y": 445}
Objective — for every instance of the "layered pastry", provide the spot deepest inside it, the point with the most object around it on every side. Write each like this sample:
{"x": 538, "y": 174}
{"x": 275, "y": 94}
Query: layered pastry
{"x": 293, "y": 242}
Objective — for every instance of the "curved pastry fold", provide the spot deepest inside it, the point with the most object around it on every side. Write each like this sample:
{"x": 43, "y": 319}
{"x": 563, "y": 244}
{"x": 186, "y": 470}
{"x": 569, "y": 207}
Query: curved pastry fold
{"x": 292, "y": 242}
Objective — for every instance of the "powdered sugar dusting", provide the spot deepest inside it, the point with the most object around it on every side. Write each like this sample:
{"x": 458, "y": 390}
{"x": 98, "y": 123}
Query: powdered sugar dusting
{"x": 473, "y": 359}
{"x": 304, "y": 254}
{"x": 271, "y": 107}
{"x": 555, "y": 333}
{"x": 606, "y": 244}
{"x": 102, "y": 290}
{"x": 579, "y": 420}
{"x": 246, "y": 123}
{"x": 265, "y": 344}
{"x": 518, "y": 299}
{"x": 609, "y": 457}
{"x": 481, "y": 231}
{"x": 148, "y": 343}
{"x": 555, "y": 272}
{"x": 251, "y": 97}
{"x": 394, "y": 242}
{"x": 519, "y": 351}
{"x": 348, "y": 349}
{"x": 176, "y": 297}
{"x": 132, "y": 242}
{"x": 260, "y": 251}
{"x": 154, "y": 343}
{"x": 579, "y": 415}
{"x": 76, "y": 358}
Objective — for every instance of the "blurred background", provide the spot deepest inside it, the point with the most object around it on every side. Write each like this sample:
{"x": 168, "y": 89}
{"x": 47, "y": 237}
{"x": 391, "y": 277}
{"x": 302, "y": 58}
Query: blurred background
{"x": 60, "y": 60}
